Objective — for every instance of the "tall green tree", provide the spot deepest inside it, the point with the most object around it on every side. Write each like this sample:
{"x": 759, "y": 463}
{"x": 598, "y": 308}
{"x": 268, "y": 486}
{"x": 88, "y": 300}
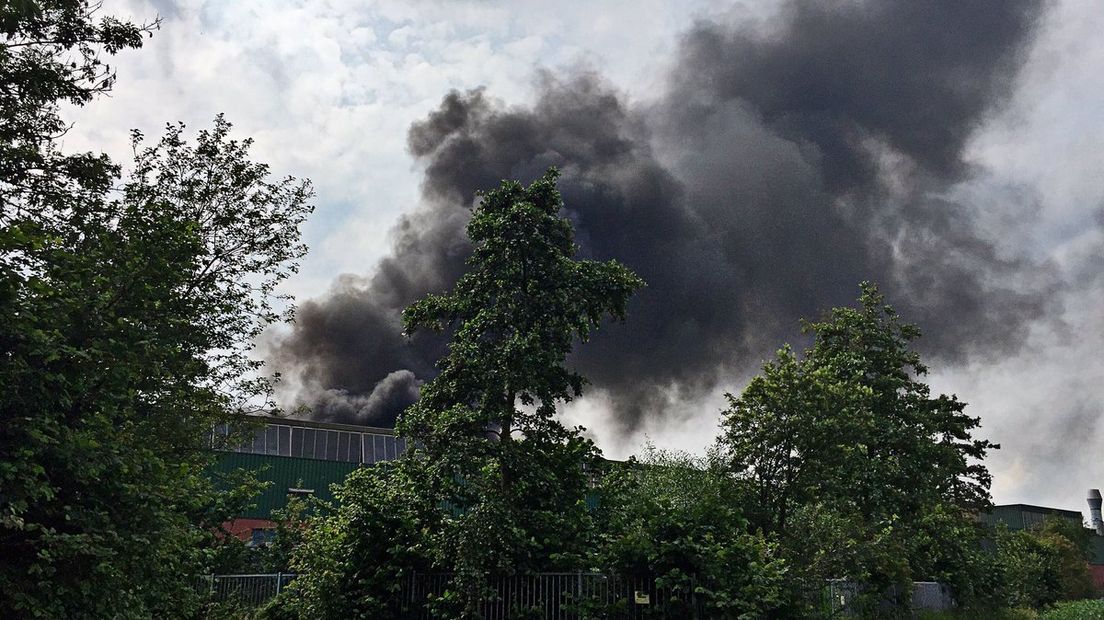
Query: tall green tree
{"x": 127, "y": 310}
{"x": 512, "y": 475}
{"x": 850, "y": 427}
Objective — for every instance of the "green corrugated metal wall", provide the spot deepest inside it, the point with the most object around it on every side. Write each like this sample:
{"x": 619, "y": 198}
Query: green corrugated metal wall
{"x": 1012, "y": 516}
{"x": 284, "y": 472}
{"x": 1023, "y": 516}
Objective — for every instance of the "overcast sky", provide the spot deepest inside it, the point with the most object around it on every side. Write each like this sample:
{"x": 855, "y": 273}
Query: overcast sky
{"x": 330, "y": 90}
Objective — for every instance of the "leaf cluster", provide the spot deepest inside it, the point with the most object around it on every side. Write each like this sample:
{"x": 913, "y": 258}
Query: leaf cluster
{"x": 127, "y": 310}
{"x": 52, "y": 51}
{"x": 354, "y": 558}
{"x": 1038, "y": 567}
{"x": 677, "y": 519}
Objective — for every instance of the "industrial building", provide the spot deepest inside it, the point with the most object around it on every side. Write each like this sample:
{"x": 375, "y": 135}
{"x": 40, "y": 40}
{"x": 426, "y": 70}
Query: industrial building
{"x": 304, "y": 457}
{"x": 1027, "y": 516}
{"x": 299, "y": 457}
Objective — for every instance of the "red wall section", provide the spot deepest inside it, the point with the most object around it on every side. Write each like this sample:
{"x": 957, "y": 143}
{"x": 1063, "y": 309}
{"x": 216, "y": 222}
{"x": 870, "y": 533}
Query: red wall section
{"x": 243, "y": 528}
{"x": 1097, "y": 576}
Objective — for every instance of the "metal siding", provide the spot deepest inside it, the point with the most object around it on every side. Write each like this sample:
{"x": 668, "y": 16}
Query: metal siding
{"x": 284, "y": 473}
{"x": 1097, "y": 543}
{"x": 1025, "y": 516}
{"x": 1012, "y": 516}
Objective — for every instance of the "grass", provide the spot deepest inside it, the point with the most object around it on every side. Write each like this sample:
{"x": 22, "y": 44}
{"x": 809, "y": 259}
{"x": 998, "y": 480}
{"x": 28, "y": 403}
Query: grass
{"x": 1069, "y": 610}
{"x": 977, "y": 614}
{"x": 1075, "y": 610}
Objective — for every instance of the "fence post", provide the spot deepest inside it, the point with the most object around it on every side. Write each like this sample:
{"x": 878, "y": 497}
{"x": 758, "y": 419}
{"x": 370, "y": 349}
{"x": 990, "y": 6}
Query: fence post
{"x": 579, "y": 593}
{"x": 279, "y": 582}
{"x": 694, "y": 595}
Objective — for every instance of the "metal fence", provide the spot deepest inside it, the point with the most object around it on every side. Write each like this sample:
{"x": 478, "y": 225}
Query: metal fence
{"x": 841, "y": 596}
{"x": 558, "y": 596}
{"x": 564, "y": 596}
{"x": 561, "y": 596}
{"x": 247, "y": 590}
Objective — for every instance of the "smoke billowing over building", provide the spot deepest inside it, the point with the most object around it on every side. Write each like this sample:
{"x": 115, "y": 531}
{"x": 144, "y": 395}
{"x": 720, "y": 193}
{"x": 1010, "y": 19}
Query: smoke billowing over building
{"x": 781, "y": 164}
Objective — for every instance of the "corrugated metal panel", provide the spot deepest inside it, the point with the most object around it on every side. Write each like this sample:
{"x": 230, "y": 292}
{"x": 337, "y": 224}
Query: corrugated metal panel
{"x": 1025, "y": 516}
{"x": 284, "y": 473}
{"x": 1012, "y": 516}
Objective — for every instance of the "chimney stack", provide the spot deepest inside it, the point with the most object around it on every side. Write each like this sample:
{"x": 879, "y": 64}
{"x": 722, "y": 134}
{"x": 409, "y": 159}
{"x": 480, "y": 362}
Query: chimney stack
{"x": 1094, "y": 511}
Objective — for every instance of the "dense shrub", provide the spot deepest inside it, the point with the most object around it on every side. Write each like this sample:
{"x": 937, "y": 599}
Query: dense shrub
{"x": 1028, "y": 569}
{"x": 352, "y": 561}
{"x": 1039, "y": 568}
{"x": 676, "y": 519}
{"x": 838, "y": 544}
{"x": 1074, "y": 577}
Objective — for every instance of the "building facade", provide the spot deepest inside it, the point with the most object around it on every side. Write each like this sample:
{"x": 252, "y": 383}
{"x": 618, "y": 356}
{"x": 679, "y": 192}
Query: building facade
{"x": 1027, "y": 516}
{"x": 299, "y": 458}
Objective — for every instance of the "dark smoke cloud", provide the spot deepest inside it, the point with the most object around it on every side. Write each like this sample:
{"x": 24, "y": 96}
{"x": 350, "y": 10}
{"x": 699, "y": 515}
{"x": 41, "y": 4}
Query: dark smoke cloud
{"x": 392, "y": 393}
{"x": 782, "y": 166}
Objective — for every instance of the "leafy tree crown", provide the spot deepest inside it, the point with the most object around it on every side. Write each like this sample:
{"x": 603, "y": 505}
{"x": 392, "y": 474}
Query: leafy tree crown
{"x": 517, "y": 311}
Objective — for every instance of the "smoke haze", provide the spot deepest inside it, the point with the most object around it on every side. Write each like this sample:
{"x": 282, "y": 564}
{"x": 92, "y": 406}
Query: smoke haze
{"x": 783, "y": 163}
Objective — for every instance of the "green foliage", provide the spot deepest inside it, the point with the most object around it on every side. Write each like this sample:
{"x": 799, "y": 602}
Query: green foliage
{"x": 291, "y": 526}
{"x": 1071, "y": 530}
{"x": 1067, "y": 610}
{"x": 234, "y": 609}
{"x": 913, "y": 450}
{"x": 232, "y": 494}
{"x": 1040, "y": 567}
{"x": 126, "y": 315}
{"x": 1002, "y": 613}
{"x": 353, "y": 560}
{"x": 53, "y": 51}
{"x": 1074, "y": 577}
{"x": 948, "y": 548}
{"x": 676, "y": 519}
{"x": 834, "y": 544}
{"x": 847, "y": 436}
{"x": 850, "y": 423}
{"x": 1029, "y": 569}
{"x": 512, "y": 476}
{"x": 1075, "y": 610}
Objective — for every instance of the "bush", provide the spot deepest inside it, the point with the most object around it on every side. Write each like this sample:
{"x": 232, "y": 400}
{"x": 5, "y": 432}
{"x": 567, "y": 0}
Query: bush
{"x": 673, "y": 518}
{"x": 353, "y": 561}
{"x": 1028, "y": 568}
{"x": 840, "y": 544}
{"x": 1074, "y": 578}
{"x": 975, "y": 614}
{"x": 1039, "y": 568}
{"x": 1075, "y": 610}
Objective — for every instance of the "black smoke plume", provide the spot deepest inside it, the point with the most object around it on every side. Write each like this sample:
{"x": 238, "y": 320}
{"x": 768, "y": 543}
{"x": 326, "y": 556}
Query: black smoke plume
{"x": 784, "y": 164}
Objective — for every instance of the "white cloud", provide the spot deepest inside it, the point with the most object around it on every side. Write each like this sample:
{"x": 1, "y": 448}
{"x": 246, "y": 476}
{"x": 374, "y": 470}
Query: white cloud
{"x": 328, "y": 89}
